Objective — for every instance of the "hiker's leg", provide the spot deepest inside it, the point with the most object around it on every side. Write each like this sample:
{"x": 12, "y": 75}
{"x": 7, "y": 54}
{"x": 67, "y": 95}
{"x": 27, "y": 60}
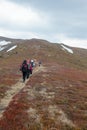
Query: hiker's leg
{"x": 24, "y": 75}
{"x": 27, "y": 74}
{"x": 30, "y": 71}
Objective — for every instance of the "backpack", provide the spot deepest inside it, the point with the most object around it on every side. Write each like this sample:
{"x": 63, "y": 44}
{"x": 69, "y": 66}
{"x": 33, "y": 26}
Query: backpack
{"x": 24, "y": 68}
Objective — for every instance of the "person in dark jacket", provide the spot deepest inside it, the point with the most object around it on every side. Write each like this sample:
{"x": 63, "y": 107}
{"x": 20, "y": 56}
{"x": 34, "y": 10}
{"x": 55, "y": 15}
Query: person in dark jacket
{"x": 31, "y": 69}
{"x": 24, "y": 69}
{"x": 28, "y": 71}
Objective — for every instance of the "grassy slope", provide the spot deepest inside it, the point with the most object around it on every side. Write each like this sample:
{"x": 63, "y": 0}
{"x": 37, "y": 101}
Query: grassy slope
{"x": 61, "y": 86}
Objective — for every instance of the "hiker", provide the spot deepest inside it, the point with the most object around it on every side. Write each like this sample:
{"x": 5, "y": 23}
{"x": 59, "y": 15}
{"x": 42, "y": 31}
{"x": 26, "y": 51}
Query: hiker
{"x": 24, "y": 68}
{"x": 39, "y": 63}
{"x": 32, "y": 63}
{"x": 31, "y": 69}
{"x": 28, "y": 71}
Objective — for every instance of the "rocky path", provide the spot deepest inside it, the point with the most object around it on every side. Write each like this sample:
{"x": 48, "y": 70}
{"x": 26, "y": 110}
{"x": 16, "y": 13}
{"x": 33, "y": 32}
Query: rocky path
{"x": 14, "y": 90}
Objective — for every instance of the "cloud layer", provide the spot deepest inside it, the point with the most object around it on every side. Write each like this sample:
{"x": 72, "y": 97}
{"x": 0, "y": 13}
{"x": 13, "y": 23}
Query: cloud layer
{"x": 57, "y": 21}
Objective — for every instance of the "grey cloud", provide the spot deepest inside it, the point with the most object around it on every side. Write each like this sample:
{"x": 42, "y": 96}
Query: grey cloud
{"x": 54, "y": 5}
{"x": 65, "y": 16}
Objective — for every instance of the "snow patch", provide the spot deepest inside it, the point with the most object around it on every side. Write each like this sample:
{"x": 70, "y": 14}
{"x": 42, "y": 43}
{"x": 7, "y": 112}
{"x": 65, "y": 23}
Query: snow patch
{"x": 2, "y": 48}
{"x": 68, "y": 49}
{"x": 3, "y": 43}
{"x": 12, "y": 48}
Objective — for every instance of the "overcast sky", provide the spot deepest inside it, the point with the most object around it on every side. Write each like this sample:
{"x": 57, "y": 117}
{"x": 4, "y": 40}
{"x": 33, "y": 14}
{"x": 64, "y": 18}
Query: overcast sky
{"x": 58, "y": 21}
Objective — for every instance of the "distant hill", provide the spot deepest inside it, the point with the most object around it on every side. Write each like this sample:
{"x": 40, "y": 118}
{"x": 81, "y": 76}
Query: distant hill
{"x": 44, "y": 50}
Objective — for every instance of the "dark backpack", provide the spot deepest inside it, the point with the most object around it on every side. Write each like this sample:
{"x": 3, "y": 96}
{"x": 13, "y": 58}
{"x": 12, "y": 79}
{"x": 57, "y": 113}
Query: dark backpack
{"x": 24, "y": 68}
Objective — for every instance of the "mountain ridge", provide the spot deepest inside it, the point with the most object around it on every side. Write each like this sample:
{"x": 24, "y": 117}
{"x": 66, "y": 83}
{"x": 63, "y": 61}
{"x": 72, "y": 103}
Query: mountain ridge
{"x": 51, "y": 50}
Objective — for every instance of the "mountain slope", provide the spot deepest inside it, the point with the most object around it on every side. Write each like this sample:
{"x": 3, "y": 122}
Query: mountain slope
{"x": 55, "y": 97}
{"x": 42, "y": 49}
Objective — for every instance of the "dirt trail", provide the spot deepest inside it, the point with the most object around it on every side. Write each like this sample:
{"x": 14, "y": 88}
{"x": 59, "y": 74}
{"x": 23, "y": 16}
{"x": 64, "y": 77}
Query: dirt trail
{"x": 14, "y": 90}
